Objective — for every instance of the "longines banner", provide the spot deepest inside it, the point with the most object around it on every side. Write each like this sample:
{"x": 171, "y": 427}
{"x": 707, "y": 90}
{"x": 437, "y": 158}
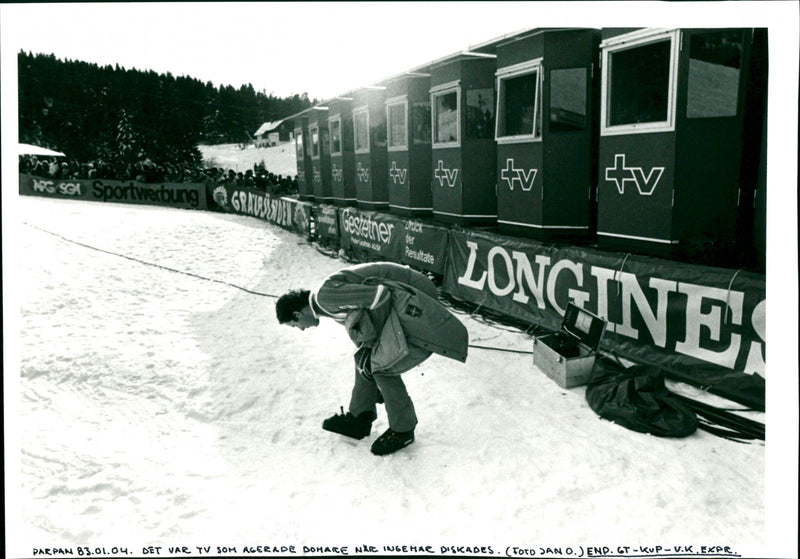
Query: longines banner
{"x": 176, "y": 195}
{"x": 707, "y": 324}
{"x": 373, "y": 236}
{"x": 285, "y": 212}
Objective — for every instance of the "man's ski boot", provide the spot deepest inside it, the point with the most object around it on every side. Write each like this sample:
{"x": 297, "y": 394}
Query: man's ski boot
{"x": 349, "y": 425}
{"x": 392, "y": 441}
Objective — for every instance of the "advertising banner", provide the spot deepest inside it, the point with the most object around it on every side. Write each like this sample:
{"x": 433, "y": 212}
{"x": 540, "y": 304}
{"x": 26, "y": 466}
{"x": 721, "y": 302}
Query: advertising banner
{"x": 327, "y": 225}
{"x": 288, "y": 213}
{"x": 370, "y": 236}
{"x": 705, "y": 325}
{"x": 53, "y": 188}
{"x": 176, "y": 195}
{"x": 424, "y": 246}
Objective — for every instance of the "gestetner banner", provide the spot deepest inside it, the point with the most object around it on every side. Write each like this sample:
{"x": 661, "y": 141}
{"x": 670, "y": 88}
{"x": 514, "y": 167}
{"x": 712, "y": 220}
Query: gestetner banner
{"x": 377, "y": 236}
{"x": 707, "y": 324}
{"x": 371, "y": 235}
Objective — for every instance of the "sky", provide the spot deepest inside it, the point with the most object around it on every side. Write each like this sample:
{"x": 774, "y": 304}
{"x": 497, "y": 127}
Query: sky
{"x": 324, "y": 49}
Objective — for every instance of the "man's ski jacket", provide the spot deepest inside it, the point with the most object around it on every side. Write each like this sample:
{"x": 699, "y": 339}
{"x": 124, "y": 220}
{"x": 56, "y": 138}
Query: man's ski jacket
{"x": 393, "y": 310}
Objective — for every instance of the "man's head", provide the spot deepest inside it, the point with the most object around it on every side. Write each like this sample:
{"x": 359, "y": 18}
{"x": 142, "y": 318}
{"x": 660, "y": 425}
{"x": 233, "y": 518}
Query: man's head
{"x": 293, "y": 309}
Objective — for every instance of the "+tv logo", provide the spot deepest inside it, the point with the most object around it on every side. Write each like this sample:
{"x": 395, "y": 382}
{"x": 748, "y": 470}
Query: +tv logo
{"x": 397, "y": 174}
{"x": 442, "y": 175}
{"x": 620, "y": 174}
{"x": 511, "y": 174}
{"x": 363, "y": 173}
{"x": 336, "y": 173}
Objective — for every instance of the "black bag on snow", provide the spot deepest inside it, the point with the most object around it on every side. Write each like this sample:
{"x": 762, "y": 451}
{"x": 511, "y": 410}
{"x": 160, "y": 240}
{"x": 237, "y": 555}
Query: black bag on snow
{"x": 637, "y": 398}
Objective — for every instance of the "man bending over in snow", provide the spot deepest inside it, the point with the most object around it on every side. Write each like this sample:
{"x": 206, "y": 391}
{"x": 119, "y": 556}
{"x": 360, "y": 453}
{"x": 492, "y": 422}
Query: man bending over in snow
{"x": 392, "y": 315}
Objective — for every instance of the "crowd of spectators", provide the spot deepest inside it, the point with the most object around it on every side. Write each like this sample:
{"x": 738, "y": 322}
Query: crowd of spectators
{"x": 146, "y": 171}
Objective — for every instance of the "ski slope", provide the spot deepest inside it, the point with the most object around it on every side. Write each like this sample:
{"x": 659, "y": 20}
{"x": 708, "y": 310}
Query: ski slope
{"x": 157, "y": 408}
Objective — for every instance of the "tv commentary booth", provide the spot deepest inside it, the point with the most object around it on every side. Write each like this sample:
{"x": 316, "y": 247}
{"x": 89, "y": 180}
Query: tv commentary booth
{"x": 343, "y": 158}
{"x": 464, "y": 150}
{"x": 677, "y": 136}
{"x": 369, "y": 133}
{"x": 304, "y": 170}
{"x": 408, "y": 123}
{"x": 546, "y": 133}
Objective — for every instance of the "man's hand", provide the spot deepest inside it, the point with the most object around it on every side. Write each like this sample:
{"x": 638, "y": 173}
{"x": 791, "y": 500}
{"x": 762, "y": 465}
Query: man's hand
{"x": 364, "y": 363}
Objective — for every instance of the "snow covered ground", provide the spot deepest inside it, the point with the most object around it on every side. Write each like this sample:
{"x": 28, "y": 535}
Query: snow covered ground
{"x": 278, "y": 159}
{"x": 160, "y": 409}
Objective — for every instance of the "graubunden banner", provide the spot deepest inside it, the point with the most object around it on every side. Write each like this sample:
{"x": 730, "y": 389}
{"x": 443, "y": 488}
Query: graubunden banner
{"x": 285, "y": 212}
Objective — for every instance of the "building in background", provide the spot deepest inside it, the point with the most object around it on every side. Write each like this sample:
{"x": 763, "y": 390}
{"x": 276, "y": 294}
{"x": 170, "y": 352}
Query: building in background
{"x": 273, "y": 133}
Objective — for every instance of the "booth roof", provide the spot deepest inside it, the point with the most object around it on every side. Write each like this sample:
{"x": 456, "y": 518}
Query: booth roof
{"x": 485, "y": 49}
{"x": 491, "y": 45}
{"x": 268, "y": 127}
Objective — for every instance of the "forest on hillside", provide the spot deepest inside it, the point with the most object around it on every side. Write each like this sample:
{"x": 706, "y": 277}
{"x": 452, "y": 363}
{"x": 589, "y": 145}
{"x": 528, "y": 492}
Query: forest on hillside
{"x": 94, "y": 112}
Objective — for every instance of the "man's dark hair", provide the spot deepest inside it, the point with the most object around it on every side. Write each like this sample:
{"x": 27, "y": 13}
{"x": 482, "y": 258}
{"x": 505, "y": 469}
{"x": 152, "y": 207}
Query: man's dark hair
{"x": 290, "y": 302}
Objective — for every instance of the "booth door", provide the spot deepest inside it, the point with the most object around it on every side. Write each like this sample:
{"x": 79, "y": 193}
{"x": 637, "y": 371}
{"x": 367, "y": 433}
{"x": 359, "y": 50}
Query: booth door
{"x": 363, "y": 180}
{"x": 568, "y": 161}
{"x": 712, "y": 133}
{"x": 446, "y": 184}
{"x": 305, "y": 173}
{"x": 398, "y": 182}
{"x": 348, "y": 173}
{"x": 635, "y": 186}
{"x": 316, "y": 178}
{"x": 337, "y": 179}
{"x": 378, "y": 175}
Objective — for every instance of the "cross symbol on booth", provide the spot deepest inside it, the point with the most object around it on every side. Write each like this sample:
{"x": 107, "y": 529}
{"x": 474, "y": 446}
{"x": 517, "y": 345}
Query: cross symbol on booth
{"x": 509, "y": 174}
{"x": 620, "y": 173}
{"x": 362, "y": 172}
{"x": 443, "y": 174}
{"x": 397, "y": 174}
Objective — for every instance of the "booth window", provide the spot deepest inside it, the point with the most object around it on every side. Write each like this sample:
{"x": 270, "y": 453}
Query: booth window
{"x": 519, "y": 106}
{"x": 298, "y": 142}
{"x": 361, "y": 130}
{"x": 445, "y": 117}
{"x": 324, "y": 142}
{"x": 480, "y": 113}
{"x": 421, "y": 123}
{"x": 379, "y": 133}
{"x": 313, "y": 132}
{"x": 335, "y": 126}
{"x": 715, "y": 61}
{"x": 396, "y": 117}
{"x": 568, "y": 99}
{"x": 639, "y": 85}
